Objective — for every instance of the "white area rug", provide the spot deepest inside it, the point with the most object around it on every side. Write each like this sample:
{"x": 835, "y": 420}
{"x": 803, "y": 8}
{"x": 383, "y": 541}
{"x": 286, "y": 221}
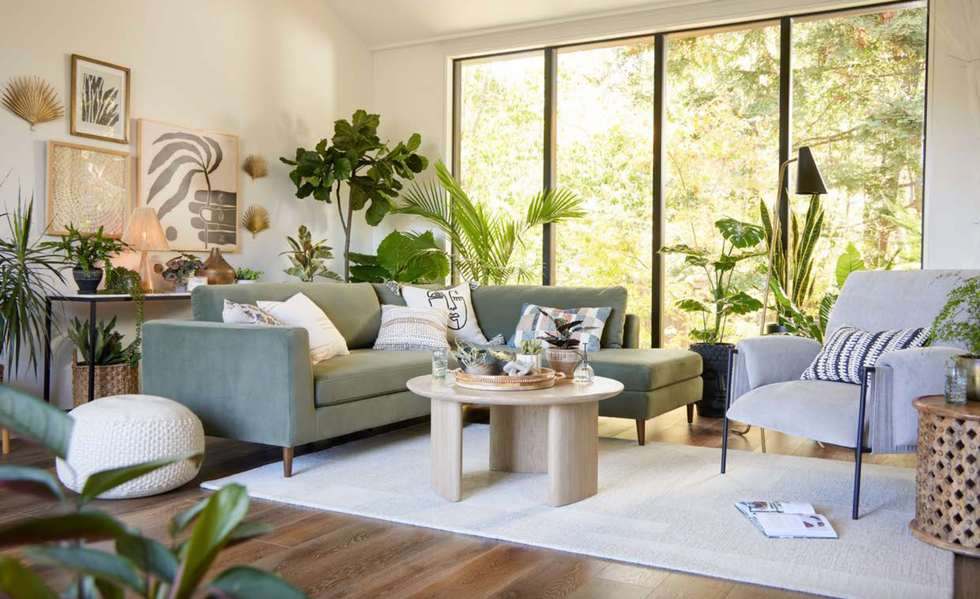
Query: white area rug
{"x": 659, "y": 505}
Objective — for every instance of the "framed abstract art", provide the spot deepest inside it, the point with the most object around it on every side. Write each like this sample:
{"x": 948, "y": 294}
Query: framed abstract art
{"x": 99, "y": 100}
{"x": 190, "y": 176}
{"x": 87, "y": 188}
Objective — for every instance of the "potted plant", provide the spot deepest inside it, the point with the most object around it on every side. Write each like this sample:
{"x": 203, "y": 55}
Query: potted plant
{"x": 562, "y": 353}
{"x": 724, "y": 300}
{"x": 244, "y": 276}
{"x": 530, "y": 353}
{"x": 178, "y": 270}
{"x": 475, "y": 359}
{"x": 116, "y": 367}
{"x": 372, "y": 170}
{"x": 309, "y": 259}
{"x": 88, "y": 253}
{"x": 959, "y": 321}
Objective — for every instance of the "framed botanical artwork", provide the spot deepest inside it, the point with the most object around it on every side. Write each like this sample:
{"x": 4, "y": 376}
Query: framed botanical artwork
{"x": 191, "y": 177}
{"x": 99, "y": 100}
{"x": 87, "y": 188}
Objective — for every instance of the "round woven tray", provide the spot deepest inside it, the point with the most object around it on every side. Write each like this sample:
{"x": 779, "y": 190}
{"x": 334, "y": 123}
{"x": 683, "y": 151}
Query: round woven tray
{"x": 489, "y": 382}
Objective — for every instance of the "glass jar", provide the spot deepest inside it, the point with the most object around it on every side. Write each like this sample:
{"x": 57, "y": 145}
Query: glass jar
{"x": 955, "y": 383}
{"x": 583, "y": 374}
{"x": 440, "y": 363}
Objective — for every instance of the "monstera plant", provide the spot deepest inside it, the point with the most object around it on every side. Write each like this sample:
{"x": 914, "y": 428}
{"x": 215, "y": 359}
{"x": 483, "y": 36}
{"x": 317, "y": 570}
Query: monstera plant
{"x": 370, "y": 168}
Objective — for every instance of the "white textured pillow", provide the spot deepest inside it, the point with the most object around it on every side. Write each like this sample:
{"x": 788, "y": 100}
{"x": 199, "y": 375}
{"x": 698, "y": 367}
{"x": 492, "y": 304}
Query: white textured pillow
{"x": 300, "y": 311}
{"x": 404, "y": 328}
{"x": 233, "y": 313}
{"x": 457, "y": 300}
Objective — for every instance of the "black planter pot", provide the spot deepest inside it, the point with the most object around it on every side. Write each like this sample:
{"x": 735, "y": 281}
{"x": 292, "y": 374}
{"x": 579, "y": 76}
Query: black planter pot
{"x": 715, "y": 377}
{"x": 88, "y": 283}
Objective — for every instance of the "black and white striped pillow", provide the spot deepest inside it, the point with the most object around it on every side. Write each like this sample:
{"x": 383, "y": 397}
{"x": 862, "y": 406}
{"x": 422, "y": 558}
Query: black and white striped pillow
{"x": 850, "y": 349}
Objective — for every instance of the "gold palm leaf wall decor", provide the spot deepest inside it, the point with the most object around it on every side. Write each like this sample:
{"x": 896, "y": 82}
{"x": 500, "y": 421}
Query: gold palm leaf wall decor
{"x": 255, "y": 166}
{"x": 32, "y": 99}
{"x": 255, "y": 220}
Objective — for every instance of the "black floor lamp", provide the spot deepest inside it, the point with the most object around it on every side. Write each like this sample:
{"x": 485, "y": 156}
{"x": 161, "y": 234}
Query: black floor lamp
{"x": 808, "y": 182}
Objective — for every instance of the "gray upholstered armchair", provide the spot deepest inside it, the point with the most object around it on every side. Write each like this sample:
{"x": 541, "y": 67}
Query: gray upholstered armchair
{"x": 766, "y": 389}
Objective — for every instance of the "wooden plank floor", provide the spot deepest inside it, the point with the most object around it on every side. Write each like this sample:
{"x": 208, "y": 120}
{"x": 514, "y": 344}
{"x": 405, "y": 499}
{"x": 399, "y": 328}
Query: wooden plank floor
{"x": 335, "y": 555}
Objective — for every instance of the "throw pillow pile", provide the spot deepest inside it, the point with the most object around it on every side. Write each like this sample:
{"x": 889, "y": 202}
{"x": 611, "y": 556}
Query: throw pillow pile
{"x": 849, "y": 350}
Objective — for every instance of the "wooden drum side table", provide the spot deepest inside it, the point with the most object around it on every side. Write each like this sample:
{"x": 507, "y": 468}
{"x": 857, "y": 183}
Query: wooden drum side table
{"x": 947, "y": 501}
{"x": 552, "y": 430}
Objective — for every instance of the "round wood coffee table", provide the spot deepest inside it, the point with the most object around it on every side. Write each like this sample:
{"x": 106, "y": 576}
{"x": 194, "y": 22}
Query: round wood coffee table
{"x": 947, "y": 502}
{"x": 553, "y": 431}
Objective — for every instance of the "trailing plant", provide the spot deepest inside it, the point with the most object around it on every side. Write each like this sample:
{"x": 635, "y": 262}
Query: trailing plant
{"x": 124, "y": 280}
{"x": 178, "y": 270}
{"x": 959, "y": 320}
{"x": 738, "y": 240}
{"x": 108, "y": 346}
{"x": 309, "y": 259}
{"x": 133, "y": 565}
{"x": 484, "y": 242}
{"x": 561, "y": 337}
{"x": 247, "y": 274}
{"x": 531, "y": 347}
{"x": 372, "y": 171}
{"x": 87, "y": 251}
{"x": 29, "y": 271}
{"x": 404, "y": 258}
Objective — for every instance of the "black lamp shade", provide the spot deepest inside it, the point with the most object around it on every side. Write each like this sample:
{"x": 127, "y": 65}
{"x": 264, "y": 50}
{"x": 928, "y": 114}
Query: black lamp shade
{"x": 808, "y": 178}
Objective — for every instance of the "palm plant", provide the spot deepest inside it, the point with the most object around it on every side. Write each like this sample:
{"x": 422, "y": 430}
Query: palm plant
{"x": 484, "y": 242}
{"x": 28, "y": 272}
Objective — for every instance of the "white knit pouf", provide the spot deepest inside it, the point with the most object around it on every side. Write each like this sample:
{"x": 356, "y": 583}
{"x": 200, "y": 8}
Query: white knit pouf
{"x": 124, "y": 430}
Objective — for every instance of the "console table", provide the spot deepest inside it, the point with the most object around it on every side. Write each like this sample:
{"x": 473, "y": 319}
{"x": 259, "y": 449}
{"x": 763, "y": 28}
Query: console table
{"x": 93, "y": 301}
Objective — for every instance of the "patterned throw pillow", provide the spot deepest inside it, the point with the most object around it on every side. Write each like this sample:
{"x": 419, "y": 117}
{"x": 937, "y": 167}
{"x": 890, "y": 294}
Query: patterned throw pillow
{"x": 247, "y": 314}
{"x": 849, "y": 349}
{"x": 404, "y": 328}
{"x": 533, "y": 324}
{"x": 459, "y": 302}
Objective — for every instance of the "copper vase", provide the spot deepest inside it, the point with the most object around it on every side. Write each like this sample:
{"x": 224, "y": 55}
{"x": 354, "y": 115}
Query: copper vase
{"x": 217, "y": 270}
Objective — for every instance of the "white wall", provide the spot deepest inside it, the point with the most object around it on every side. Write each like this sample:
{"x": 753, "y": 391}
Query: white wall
{"x": 276, "y": 74}
{"x": 952, "y": 190}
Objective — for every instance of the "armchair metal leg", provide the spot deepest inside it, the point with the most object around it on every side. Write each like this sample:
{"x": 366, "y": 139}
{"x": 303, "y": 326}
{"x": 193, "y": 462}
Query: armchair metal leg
{"x": 859, "y": 449}
{"x": 728, "y": 402}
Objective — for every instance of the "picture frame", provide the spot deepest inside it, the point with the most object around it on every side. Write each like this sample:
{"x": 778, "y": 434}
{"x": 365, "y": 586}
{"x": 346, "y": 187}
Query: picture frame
{"x": 190, "y": 176}
{"x": 100, "y": 99}
{"x": 87, "y": 187}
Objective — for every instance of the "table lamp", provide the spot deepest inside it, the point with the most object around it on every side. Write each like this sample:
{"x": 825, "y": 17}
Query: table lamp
{"x": 145, "y": 234}
{"x": 808, "y": 182}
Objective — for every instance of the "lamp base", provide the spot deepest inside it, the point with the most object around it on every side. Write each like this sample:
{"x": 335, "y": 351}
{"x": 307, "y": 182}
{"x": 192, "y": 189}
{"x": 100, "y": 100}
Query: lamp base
{"x": 144, "y": 272}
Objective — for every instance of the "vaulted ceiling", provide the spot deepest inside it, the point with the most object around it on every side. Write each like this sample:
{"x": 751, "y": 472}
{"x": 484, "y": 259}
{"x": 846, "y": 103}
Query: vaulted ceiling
{"x": 383, "y": 23}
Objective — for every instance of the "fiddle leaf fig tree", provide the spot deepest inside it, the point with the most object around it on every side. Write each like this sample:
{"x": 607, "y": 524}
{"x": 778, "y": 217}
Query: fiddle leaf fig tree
{"x": 356, "y": 157}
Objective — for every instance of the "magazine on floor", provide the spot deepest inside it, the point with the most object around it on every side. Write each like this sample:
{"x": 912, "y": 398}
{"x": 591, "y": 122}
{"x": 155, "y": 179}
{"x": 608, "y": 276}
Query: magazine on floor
{"x": 787, "y": 520}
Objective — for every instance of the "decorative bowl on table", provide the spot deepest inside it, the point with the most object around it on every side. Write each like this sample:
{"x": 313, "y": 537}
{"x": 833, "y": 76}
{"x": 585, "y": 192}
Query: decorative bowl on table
{"x": 488, "y": 382}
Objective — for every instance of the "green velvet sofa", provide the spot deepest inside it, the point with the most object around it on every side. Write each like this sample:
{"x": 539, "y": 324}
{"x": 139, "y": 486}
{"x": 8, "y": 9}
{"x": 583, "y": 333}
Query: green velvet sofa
{"x": 255, "y": 383}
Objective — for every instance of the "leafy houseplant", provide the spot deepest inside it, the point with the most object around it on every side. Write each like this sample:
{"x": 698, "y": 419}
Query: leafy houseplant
{"x": 959, "y": 321}
{"x": 116, "y": 366}
{"x": 247, "y": 275}
{"x": 124, "y": 280}
{"x": 403, "y": 258}
{"x": 563, "y": 354}
{"x": 484, "y": 242}
{"x": 356, "y": 156}
{"x": 475, "y": 359}
{"x": 135, "y": 565}
{"x": 178, "y": 270}
{"x": 738, "y": 241}
{"x": 87, "y": 252}
{"x": 309, "y": 259}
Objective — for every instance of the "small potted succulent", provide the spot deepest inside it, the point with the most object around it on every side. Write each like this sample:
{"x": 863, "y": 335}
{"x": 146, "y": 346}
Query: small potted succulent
{"x": 530, "y": 353}
{"x": 475, "y": 359}
{"x": 88, "y": 253}
{"x": 244, "y": 276}
{"x": 959, "y": 322}
{"x": 178, "y": 270}
{"x": 562, "y": 353}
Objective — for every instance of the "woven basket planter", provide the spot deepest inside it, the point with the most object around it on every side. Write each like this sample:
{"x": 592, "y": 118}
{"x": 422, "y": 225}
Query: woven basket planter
{"x": 118, "y": 379}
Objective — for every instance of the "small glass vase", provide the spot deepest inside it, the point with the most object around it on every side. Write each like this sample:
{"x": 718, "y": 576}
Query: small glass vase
{"x": 583, "y": 373}
{"x": 440, "y": 363}
{"x": 955, "y": 383}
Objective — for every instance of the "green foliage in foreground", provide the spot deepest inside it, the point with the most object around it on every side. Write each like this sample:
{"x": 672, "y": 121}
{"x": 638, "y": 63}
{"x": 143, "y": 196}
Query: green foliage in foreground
{"x": 959, "y": 320}
{"x": 404, "y": 258}
{"x": 136, "y": 565}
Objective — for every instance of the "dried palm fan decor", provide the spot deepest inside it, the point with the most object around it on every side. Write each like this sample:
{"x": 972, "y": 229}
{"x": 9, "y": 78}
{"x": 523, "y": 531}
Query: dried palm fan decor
{"x": 255, "y": 166}
{"x": 32, "y": 99}
{"x": 256, "y": 220}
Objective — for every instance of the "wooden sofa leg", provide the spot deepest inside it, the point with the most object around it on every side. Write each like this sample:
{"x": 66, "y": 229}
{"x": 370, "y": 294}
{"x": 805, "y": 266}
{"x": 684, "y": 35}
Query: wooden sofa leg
{"x": 641, "y": 431}
{"x": 6, "y": 441}
{"x": 690, "y": 413}
{"x": 287, "y": 461}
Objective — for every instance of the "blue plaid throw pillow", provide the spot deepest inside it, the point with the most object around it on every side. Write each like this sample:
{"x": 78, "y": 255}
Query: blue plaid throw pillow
{"x": 533, "y": 324}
